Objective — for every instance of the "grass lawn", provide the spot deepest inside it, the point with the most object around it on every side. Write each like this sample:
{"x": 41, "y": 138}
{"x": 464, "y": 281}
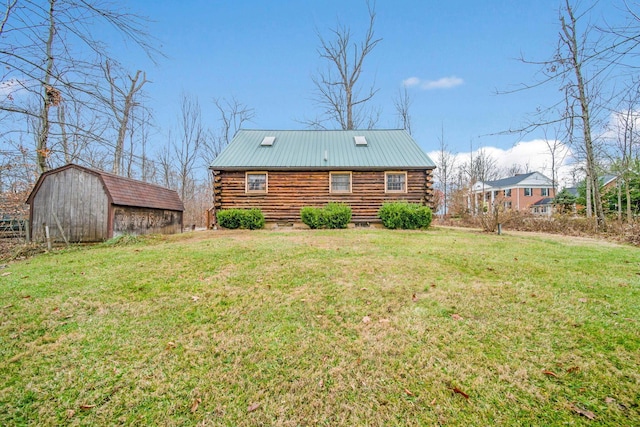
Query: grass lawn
{"x": 351, "y": 327}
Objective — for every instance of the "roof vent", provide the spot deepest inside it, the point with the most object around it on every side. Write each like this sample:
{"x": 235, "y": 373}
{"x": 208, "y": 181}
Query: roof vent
{"x": 360, "y": 140}
{"x": 268, "y": 141}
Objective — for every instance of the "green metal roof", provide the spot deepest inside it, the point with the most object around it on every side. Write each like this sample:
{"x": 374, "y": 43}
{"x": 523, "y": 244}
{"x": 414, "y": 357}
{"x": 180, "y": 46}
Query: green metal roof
{"x": 322, "y": 149}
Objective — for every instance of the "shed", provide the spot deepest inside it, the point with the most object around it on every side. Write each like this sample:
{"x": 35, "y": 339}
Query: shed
{"x": 282, "y": 171}
{"x": 80, "y": 204}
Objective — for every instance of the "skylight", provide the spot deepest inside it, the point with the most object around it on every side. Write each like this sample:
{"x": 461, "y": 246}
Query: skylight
{"x": 360, "y": 140}
{"x": 268, "y": 141}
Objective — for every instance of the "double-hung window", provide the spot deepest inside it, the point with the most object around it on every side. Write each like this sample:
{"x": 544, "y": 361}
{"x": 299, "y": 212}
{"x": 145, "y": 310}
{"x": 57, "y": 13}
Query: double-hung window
{"x": 340, "y": 182}
{"x": 544, "y": 192}
{"x": 256, "y": 182}
{"x": 528, "y": 191}
{"x": 395, "y": 182}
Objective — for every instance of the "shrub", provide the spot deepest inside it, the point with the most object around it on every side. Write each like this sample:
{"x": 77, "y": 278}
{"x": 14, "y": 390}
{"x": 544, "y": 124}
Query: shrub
{"x": 251, "y": 219}
{"x": 334, "y": 215}
{"x": 403, "y": 215}
{"x": 312, "y": 217}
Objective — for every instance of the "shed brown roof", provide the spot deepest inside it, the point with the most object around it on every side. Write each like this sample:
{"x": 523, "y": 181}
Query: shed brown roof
{"x": 126, "y": 191}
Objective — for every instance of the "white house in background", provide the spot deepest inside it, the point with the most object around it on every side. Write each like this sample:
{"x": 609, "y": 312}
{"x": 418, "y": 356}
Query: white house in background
{"x": 530, "y": 191}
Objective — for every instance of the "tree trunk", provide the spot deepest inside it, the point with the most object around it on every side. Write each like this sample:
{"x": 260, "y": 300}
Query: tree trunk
{"x": 571, "y": 40}
{"x": 42, "y": 149}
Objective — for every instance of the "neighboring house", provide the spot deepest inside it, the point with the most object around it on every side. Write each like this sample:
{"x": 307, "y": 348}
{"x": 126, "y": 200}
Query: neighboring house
{"x": 282, "y": 171}
{"x": 79, "y": 204}
{"x": 607, "y": 182}
{"x": 530, "y": 191}
{"x": 543, "y": 206}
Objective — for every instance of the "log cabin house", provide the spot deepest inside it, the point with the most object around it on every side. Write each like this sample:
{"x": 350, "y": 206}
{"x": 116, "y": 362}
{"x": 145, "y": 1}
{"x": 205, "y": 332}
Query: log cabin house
{"x": 79, "y": 204}
{"x": 282, "y": 171}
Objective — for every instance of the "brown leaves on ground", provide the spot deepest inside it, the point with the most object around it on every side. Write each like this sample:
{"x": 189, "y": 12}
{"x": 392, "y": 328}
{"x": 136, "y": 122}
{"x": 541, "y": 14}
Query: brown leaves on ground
{"x": 550, "y": 373}
{"x": 588, "y": 414}
{"x": 194, "y": 406}
{"x": 456, "y": 316}
{"x": 460, "y": 392}
{"x": 253, "y": 407}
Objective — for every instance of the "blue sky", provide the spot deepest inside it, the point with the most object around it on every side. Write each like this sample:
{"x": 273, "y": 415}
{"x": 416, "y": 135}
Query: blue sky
{"x": 263, "y": 53}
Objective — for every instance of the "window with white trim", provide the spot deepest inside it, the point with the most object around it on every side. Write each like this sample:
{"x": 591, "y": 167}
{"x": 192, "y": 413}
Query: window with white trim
{"x": 340, "y": 182}
{"x": 507, "y": 192}
{"x": 528, "y": 191}
{"x": 395, "y": 182}
{"x": 256, "y": 182}
{"x": 544, "y": 192}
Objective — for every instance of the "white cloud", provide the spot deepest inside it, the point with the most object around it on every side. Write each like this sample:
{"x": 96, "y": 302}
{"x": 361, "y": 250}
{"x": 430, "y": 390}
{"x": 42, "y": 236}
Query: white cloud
{"x": 619, "y": 122}
{"x": 532, "y": 156}
{"x": 410, "y": 82}
{"x": 442, "y": 83}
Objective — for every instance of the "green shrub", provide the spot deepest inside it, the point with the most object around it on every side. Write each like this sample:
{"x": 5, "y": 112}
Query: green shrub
{"x": 403, "y": 215}
{"x": 312, "y": 217}
{"x": 334, "y": 215}
{"x": 251, "y": 219}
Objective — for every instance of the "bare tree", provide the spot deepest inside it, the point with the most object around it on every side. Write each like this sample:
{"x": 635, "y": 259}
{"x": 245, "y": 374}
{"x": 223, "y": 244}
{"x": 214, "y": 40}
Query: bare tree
{"x": 233, "y": 115}
{"x": 573, "y": 58}
{"x": 50, "y": 61}
{"x": 480, "y": 168}
{"x": 445, "y": 171}
{"x": 558, "y": 152}
{"x": 191, "y": 136}
{"x": 403, "y": 102}
{"x": 625, "y": 127}
{"x": 337, "y": 90}
{"x": 579, "y": 66}
{"x": 121, "y": 102}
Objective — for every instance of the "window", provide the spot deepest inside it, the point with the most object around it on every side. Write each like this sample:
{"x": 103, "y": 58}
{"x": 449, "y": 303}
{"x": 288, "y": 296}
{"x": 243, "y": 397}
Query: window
{"x": 340, "y": 182}
{"x": 507, "y": 193}
{"x": 395, "y": 182}
{"x": 528, "y": 191}
{"x": 256, "y": 182}
{"x": 544, "y": 192}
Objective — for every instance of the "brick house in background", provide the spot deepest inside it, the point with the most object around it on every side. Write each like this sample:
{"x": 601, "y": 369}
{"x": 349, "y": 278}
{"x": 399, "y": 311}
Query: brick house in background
{"x": 530, "y": 191}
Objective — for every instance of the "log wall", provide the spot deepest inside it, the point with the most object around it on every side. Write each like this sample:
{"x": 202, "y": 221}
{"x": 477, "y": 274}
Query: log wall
{"x": 289, "y": 191}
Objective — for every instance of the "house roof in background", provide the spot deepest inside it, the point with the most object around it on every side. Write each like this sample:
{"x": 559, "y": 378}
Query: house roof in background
{"x": 510, "y": 181}
{"x": 544, "y": 202}
{"x": 531, "y": 179}
{"x": 125, "y": 191}
{"x": 322, "y": 149}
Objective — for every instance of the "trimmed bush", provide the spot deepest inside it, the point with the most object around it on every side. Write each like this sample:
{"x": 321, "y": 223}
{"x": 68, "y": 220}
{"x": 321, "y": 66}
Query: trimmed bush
{"x": 251, "y": 219}
{"x": 312, "y": 217}
{"x": 403, "y": 215}
{"x": 334, "y": 215}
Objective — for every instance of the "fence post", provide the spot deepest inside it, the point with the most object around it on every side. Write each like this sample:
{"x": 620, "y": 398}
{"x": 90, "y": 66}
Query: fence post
{"x": 47, "y": 236}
